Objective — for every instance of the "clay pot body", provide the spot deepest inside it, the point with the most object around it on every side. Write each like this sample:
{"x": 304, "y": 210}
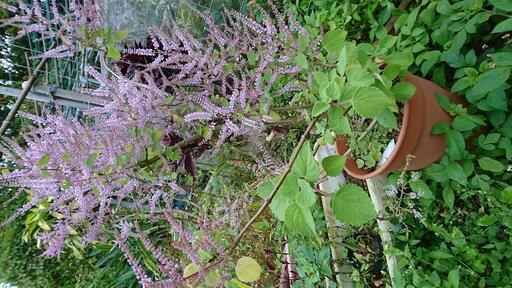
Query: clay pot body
{"x": 415, "y": 141}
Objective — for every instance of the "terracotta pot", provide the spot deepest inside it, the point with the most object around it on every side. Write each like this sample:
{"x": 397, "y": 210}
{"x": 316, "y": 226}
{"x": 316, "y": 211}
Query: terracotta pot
{"x": 421, "y": 112}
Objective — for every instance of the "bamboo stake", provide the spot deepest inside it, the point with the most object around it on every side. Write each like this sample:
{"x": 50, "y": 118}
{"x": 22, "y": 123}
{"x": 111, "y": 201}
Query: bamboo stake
{"x": 20, "y": 100}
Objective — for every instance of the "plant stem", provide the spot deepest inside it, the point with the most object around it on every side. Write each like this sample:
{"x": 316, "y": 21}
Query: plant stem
{"x": 268, "y": 200}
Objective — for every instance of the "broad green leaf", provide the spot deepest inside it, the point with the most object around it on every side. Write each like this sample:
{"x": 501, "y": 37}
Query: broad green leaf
{"x": 359, "y": 77}
{"x": 342, "y": 61}
{"x": 319, "y": 108}
{"x": 289, "y": 187}
{"x": 490, "y": 164}
{"x": 497, "y": 99}
{"x": 453, "y": 278}
{"x": 333, "y": 165}
{"x": 300, "y": 220}
{"x": 213, "y": 279}
{"x": 491, "y": 80}
{"x": 503, "y": 26}
{"x": 333, "y": 41}
{"x": 420, "y": 187}
{"x": 305, "y": 166}
{"x": 391, "y": 71}
{"x": 448, "y": 197}
{"x": 388, "y": 120}
{"x": 247, "y": 269}
{"x": 279, "y": 205}
{"x": 506, "y": 195}
{"x": 403, "y": 91}
{"x": 352, "y": 205}
{"x": 265, "y": 188}
{"x": 461, "y": 123}
{"x": 370, "y": 101}
{"x": 330, "y": 91}
{"x": 502, "y": 58}
{"x": 44, "y": 160}
{"x": 190, "y": 269}
{"x": 306, "y": 196}
{"x": 402, "y": 59}
{"x": 456, "y": 145}
{"x": 301, "y": 60}
{"x": 505, "y": 5}
{"x": 487, "y": 220}
{"x": 455, "y": 172}
{"x": 337, "y": 122}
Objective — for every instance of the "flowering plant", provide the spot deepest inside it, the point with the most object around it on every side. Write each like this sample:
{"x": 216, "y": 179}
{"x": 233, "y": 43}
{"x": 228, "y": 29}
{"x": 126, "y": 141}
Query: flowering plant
{"x": 190, "y": 96}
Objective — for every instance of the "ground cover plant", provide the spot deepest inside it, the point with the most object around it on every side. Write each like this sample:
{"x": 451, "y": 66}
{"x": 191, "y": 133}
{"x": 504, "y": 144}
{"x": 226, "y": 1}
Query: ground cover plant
{"x": 202, "y": 130}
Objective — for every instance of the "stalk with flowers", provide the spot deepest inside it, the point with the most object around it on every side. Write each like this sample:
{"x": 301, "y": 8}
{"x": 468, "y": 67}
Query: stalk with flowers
{"x": 187, "y": 96}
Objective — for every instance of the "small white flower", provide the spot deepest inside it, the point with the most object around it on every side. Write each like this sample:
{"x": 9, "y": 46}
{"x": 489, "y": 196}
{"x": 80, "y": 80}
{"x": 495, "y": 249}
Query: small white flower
{"x": 391, "y": 190}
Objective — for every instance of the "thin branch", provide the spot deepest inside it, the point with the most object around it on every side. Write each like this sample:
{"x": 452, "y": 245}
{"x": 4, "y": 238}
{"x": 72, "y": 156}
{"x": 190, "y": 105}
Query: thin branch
{"x": 276, "y": 188}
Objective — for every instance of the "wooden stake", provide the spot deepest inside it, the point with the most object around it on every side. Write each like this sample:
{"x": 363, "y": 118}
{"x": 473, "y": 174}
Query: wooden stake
{"x": 20, "y": 100}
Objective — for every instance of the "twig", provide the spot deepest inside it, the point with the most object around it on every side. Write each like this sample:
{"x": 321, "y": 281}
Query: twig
{"x": 368, "y": 129}
{"x": 276, "y": 188}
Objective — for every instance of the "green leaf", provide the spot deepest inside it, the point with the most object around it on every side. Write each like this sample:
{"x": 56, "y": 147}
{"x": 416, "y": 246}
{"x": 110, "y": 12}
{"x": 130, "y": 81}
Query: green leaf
{"x": 403, "y": 91}
{"x": 455, "y": 172}
{"x": 247, "y": 269}
{"x": 289, "y": 187}
{"x": 388, "y": 120}
{"x": 402, "y": 59}
{"x": 342, "y": 61}
{"x": 333, "y": 41}
{"x": 302, "y": 61}
{"x": 505, "y": 5}
{"x": 370, "y": 101}
{"x": 91, "y": 159}
{"x": 453, "y": 278}
{"x": 352, "y": 205}
{"x": 213, "y": 279}
{"x": 300, "y": 220}
{"x": 491, "y": 80}
{"x": 420, "y": 187}
{"x": 440, "y": 128}
{"x": 359, "y": 77}
{"x": 502, "y": 58}
{"x": 440, "y": 255}
{"x": 487, "y": 220}
{"x": 265, "y": 188}
{"x": 330, "y": 91}
{"x": 279, "y": 205}
{"x": 113, "y": 53}
{"x": 319, "y": 108}
{"x": 306, "y": 196}
{"x": 456, "y": 145}
{"x": 503, "y": 26}
{"x": 190, "y": 269}
{"x": 337, "y": 122}
{"x": 449, "y": 197}
{"x": 305, "y": 166}
{"x": 461, "y": 123}
{"x": 333, "y": 165}
{"x": 44, "y": 160}
{"x": 391, "y": 71}
{"x": 490, "y": 164}
{"x": 121, "y": 35}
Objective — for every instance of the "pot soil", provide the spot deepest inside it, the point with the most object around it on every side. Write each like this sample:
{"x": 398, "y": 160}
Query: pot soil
{"x": 415, "y": 145}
